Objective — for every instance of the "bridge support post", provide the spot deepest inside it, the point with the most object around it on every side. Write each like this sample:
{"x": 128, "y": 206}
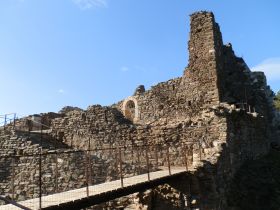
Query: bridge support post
{"x": 120, "y": 159}
{"x": 56, "y": 172}
{"x": 14, "y": 121}
{"x": 29, "y": 122}
{"x": 5, "y": 121}
{"x": 191, "y": 153}
{"x": 89, "y": 162}
{"x": 168, "y": 160}
{"x": 185, "y": 152}
{"x": 200, "y": 153}
{"x": 138, "y": 161}
{"x": 40, "y": 168}
{"x": 156, "y": 151}
{"x": 132, "y": 159}
{"x": 86, "y": 173}
{"x": 13, "y": 177}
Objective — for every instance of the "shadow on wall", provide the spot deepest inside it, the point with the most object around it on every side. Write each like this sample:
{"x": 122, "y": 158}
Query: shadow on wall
{"x": 5, "y": 170}
{"x": 256, "y": 185}
{"x": 242, "y": 178}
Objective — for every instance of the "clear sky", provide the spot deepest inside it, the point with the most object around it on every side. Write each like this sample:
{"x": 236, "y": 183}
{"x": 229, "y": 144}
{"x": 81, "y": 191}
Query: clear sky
{"x": 55, "y": 53}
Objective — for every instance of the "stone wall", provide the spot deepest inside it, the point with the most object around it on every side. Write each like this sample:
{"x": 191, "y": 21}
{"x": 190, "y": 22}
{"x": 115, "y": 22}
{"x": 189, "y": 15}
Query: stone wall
{"x": 19, "y": 171}
{"x": 219, "y": 111}
{"x": 219, "y": 114}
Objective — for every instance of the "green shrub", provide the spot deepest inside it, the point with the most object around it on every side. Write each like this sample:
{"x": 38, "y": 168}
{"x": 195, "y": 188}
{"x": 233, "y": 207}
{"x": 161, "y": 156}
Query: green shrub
{"x": 277, "y": 101}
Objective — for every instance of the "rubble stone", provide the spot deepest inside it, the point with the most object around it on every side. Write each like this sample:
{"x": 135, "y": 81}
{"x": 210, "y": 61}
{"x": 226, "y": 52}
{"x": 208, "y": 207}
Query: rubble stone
{"x": 218, "y": 114}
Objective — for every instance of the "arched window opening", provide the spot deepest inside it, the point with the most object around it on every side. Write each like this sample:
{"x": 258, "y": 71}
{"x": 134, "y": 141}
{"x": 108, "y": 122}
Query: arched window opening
{"x": 129, "y": 111}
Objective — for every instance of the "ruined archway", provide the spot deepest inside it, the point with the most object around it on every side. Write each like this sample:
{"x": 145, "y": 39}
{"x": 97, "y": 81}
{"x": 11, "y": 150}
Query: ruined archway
{"x": 130, "y": 109}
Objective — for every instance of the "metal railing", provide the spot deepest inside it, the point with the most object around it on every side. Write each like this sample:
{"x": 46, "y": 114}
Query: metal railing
{"x": 54, "y": 173}
{"x": 60, "y": 171}
{"x": 20, "y": 123}
{"x": 7, "y": 119}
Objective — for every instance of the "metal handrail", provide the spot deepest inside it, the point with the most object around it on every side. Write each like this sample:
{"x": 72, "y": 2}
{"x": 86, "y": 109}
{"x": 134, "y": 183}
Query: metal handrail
{"x": 40, "y": 123}
{"x": 70, "y": 151}
{"x": 7, "y": 120}
{"x": 7, "y": 114}
{"x": 121, "y": 160}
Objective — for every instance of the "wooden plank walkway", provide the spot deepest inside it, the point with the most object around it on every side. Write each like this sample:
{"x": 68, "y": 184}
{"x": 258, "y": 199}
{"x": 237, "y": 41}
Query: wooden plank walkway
{"x": 111, "y": 189}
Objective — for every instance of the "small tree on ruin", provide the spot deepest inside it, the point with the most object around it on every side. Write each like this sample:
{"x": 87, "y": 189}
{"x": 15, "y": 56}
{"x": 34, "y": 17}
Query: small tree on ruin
{"x": 277, "y": 101}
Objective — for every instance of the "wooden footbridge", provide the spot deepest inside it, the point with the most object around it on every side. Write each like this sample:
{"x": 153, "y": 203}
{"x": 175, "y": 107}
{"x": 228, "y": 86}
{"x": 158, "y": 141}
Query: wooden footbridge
{"x": 96, "y": 194}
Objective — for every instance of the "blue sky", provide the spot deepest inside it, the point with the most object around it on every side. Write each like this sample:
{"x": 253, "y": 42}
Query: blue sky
{"x": 55, "y": 53}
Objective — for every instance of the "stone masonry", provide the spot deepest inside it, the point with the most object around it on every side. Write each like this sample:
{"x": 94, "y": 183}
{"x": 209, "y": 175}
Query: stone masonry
{"x": 218, "y": 113}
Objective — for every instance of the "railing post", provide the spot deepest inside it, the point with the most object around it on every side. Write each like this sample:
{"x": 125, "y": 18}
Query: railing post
{"x": 40, "y": 181}
{"x": 14, "y": 121}
{"x": 191, "y": 153}
{"x": 132, "y": 159}
{"x": 29, "y": 128}
{"x": 147, "y": 162}
{"x": 185, "y": 153}
{"x": 56, "y": 172}
{"x": 90, "y": 168}
{"x": 89, "y": 163}
{"x": 121, "y": 172}
{"x": 13, "y": 177}
{"x": 138, "y": 161}
{"x": 156, "y": 151}
{"x": 86, "y": 173}
{"x": 168, "y": 160}
{"x": 40, "y": 171}
{"x": 116, "y": 150}
{"x": 5, "y": 121}
{"x": 200, "y": 155}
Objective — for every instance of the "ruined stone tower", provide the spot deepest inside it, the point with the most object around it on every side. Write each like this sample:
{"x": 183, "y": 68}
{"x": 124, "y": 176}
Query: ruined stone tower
{"x": 205, "y": 48}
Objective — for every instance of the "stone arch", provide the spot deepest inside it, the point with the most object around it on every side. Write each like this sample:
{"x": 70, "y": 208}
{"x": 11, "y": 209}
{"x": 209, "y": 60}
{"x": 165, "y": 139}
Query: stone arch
{"x": 130, "y": 109}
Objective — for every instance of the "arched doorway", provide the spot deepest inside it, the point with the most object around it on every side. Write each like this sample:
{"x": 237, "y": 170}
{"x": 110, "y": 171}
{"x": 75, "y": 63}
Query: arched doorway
{"x": 130, "y": 109}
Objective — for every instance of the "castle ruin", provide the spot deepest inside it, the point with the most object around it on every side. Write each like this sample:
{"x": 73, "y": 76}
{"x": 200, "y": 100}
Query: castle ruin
{"x": 219, "y": 109}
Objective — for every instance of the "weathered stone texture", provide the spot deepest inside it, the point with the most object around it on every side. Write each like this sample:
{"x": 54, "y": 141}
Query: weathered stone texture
{"x": 20, "y": 167}
{"x": 218, "y": 113}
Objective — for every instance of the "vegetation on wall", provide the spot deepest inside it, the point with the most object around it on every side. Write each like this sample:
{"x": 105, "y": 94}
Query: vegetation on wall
{"x": 277, "y": 101}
